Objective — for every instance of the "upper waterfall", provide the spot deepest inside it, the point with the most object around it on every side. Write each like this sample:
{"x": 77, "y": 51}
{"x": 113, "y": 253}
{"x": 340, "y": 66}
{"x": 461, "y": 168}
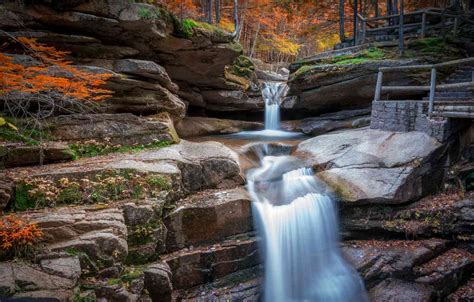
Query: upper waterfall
{"x": 273, "y": 94}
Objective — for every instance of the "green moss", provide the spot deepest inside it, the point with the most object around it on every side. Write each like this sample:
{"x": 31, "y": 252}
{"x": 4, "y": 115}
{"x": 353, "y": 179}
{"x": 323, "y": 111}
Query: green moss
{"x": 22, "y": 199}
{"x": 243, "y": 67}
{"x": 302, "y": 70}
{"x": 186, "y": 28}
{"x": 428, "y": 45}
{"x": 235, "y": 46}
{"x": 70, "y": 195}
{"x": 90, "y": 150}
{"x": 10, "y": 135}
{"x": 158, "y": 181}
{"x": 146, "y": 13}
{"x": 352, "y": 61}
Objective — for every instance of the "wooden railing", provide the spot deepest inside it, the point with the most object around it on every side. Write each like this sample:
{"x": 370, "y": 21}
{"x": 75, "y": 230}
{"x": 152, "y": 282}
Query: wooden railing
{"x": 379, "y": 88}
{"x": 364, "y": 23}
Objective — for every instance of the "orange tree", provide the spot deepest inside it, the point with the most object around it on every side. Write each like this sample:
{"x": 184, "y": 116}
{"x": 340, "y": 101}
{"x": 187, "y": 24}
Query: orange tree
{"x": 46, "y": 83}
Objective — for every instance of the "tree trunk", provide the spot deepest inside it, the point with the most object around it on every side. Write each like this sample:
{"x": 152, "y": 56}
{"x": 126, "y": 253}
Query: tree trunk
{"x": 236, "y": 19}
{"x": 255, "y": 40}
{"x": 355, "y": 22}
{"x": 211, "y": 2}
{"x": 218, "y": 11}
{"x": 342, "y": 35}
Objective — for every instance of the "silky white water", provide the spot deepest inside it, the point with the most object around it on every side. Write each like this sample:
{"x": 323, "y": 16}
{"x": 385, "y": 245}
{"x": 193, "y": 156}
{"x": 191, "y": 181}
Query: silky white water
{"x": 273, "y": 93}
{"x": 297, "y": 220}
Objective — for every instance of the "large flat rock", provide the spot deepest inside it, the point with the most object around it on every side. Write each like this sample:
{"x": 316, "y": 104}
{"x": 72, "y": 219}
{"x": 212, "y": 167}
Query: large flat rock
{"x": 169, "y": 173}
{"x": 373, "y": 166}
{"x": 201, "y": 126}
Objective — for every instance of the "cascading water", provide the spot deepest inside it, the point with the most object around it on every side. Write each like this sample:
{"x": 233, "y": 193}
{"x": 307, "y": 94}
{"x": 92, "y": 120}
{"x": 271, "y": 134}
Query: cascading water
{"x": 297, "y": 219}
{"x": 273, "y": 93}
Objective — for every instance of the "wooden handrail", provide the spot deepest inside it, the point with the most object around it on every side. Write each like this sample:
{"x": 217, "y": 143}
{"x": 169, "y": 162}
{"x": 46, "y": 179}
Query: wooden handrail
{"x": 432, "y": 88}
{"x": 428, "y": 66}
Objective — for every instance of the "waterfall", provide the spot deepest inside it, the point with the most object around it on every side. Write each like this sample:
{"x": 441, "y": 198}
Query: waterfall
{"x": 297, "y": 220}
{"x": 273, "y": 93}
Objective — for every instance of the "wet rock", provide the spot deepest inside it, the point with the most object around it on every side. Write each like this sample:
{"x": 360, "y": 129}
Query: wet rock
{"x": 377, "y": 260}
{"x": 146, "y": 69}
{"x": 447, "y": 271}
{"x": 201, "y": 265}
{"x": 146, "y": 102}
{"x": 392, "y": 290}
{"x": 209, "y": 216}
{"x": 446, "y": 215}
{"x": 372, "y": 166}
{"x": 123, "y": 129}
{"x": 16, "y": 154}
{"x": 114, "y": 293}
{"x": 101, "y": 234}
{"x": 232, "y": 100}
{"x": 334, "y": 87}
{"x": 244, "y": 285}
{"x": 464, "y": 293}
{"x": 67, "y": 267}
{"x": 158, "y": 282}
{"x": 324, "y": 123}
{"x": 6, "y": 189}
{"x": 202, "y": 126}
{"x": 29, "y": 281}
{"x": 45, "y": 295}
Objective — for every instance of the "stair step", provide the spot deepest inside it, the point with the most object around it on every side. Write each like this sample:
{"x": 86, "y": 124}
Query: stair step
{"x": 453, "y": 94}
{"x": 449, "y": 98}
{"x": 455, "y": 108}
{"x": 454, "y": 114}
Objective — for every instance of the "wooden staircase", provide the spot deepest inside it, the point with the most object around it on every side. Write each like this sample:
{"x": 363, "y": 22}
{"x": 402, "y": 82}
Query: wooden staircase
{"x": 457, "y": 102}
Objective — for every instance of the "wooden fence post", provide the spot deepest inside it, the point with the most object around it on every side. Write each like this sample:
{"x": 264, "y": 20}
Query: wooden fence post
{"x": 378, "y": 86}
{"x": 401, "y": 25}
{"x": 432, "y": 90}
{"x": 423, "y": 25}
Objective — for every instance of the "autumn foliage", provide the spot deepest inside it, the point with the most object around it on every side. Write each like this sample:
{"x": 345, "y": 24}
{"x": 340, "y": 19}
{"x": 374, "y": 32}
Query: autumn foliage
{"x": 50, "y": 73}
{"x": 18, "y": 236}
{"x": 284, "y": 30}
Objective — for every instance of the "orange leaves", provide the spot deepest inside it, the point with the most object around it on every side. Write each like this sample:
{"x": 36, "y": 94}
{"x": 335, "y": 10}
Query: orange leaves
{"x": 51, "y": 72}
{"x": 17, "y": 234}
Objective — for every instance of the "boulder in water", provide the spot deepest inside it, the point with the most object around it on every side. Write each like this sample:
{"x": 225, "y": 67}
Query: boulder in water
{"x": 373, "y": 166}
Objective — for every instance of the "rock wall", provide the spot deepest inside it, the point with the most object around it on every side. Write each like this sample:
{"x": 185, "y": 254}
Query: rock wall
{"x": 413, "y": 116}
{"x": 146, "y": 50}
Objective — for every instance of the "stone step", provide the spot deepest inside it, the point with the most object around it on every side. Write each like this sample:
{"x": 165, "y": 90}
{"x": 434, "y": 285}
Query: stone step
{"x": 454, "y": 94}
{"x": 449, "y": 98}
{"x": 244, "y": 285}
{"x": 208, "y": 217}
{"x": 20, "y": 154}
{"x": 195, "y": 266}
{"x": 447, "y": 271}
{"x": 455, "y": 108}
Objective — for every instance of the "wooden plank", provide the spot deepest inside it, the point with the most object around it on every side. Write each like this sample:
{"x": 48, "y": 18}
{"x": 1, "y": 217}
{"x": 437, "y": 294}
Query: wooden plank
{"x": 427, "y": 88}
{"x": 378, "y": 86}
{"x": 454, "y": 114}
{"x": 457, "y": 85}
{"x": 455, "y": 62}
{"x": 432, "y": 90}
{"x": 405, "y": 88}
{"x": 407, "y": 67}
{"x": 394, "y": 27}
